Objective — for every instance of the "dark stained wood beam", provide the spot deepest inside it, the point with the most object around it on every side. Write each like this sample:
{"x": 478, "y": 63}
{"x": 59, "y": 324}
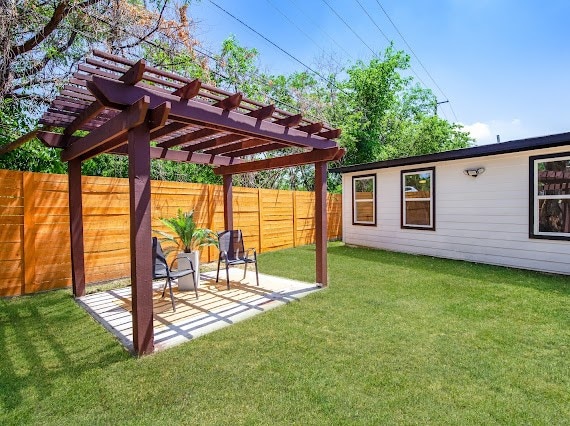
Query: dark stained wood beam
{"x": 189, "y": 90}
{"x": 140, "y": 238}
{"x": 228, "y": 203}
{"x": 155, "y": 119}
{"x": 87, "y": 114}
{"x": 133, "y": 116}
{"x": 229, "y": 147}
{"x": 18, "y": 142}
{"x": 70, "y": 108}
{"x": 77, "y": 95}
{"x": 188, "y": 137}
{"x": 256, "y": 150}
{"x": 311, "y": 128}
{"x": 184, "y": 157}
{"x": 291, "y": 121}
{"x": 330, "y": 134}
{"x": 169, "y": 128}
{"x": 67, "y": 101}
{"x": 157, "y": 116}
{"x": 263, "y": 112}
{"x": 210, "y": 143}
{"x": 229, "y": 103}
{"x": 55, "y": 140}
{"x": 339, "y": 155}
{"x": 115, "y": 93}
{"x": 321, "y": 227}
{"x": 134, "y": 74}
{"x": 76, "y": 227}
{"x": 316, "y": 155}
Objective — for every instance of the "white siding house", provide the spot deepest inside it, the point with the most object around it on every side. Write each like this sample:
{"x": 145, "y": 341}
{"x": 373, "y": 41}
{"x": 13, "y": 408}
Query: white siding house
{"x": 515, "y": 212}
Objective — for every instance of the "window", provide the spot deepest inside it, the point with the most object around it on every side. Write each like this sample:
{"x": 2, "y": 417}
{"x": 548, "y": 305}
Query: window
{"x": 418, "y": 199}
{"x": 550, "y": 196}
{"x": 364, "y": 200}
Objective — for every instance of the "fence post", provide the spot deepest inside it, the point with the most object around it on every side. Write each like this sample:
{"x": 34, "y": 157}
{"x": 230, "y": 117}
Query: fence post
{"x": 211, "y": 211}
{"x": 29, "y": 240}
{"x": 294, "y": 197}
{"x": 260, "y": 217}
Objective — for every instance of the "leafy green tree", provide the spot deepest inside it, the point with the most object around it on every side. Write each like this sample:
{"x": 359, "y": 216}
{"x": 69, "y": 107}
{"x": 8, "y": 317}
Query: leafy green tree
{"x": 384, "y": 115}
{"x": 369, "y": 94}
{"x": 32, "y": 156}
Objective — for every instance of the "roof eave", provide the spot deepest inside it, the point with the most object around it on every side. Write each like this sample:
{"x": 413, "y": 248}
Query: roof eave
{"x": 520, "y": 145}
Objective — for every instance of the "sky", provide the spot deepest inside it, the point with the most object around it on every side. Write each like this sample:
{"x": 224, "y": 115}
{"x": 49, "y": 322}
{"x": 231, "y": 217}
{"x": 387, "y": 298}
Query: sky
{"x": 504, "y": 65}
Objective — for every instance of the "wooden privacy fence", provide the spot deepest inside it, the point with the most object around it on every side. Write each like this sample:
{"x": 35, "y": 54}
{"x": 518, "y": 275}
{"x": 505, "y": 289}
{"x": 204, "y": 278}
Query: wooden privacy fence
{"x": 34, "y": 224}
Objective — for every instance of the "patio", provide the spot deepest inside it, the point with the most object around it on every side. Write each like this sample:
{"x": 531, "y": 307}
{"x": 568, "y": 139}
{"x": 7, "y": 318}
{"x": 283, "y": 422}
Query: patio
{"x": 217, "y": 307}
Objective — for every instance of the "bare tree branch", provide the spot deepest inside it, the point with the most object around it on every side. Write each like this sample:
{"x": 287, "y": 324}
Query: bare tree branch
{"x": 148, "y": 34}
{"x": 61, "y": 11}
{"x": 47, "y": 57}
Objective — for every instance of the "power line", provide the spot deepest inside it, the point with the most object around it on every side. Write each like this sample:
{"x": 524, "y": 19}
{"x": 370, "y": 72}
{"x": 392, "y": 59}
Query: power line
{"x": 416, "y": 56}
{"x": 389, "y": 41}
{"x": 322, "y": 30}
{"x": 276, "y": 46}
{"x": 348, "y": 26}
{"x": 301, "y": 30}
{"x": 211, "y": 56}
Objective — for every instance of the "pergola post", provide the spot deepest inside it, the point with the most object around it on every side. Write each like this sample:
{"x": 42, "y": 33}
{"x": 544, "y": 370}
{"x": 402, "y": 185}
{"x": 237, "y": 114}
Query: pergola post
{"x": 228, "y": 200}
{"x": 321, "y": 222}
{"x": 140, "y": 233}
{"x": 76, "y": 227}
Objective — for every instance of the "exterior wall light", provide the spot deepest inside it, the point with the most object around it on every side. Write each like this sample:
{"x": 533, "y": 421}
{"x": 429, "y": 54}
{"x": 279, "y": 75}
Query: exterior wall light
{"x": 474, "y": 172}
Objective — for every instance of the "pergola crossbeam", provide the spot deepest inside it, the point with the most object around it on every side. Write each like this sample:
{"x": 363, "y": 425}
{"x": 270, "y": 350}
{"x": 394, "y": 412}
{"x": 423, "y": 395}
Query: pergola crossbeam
{"x": 211, "y": 143}
{"x": 115, "y": 94}
{"x": 121, "y": 123}
{"x": 279, "y": 162}
{"x": 188, "y": 137}
{"x": 87, "y": 114}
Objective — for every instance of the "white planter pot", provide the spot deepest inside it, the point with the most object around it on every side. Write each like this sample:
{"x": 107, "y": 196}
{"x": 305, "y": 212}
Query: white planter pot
{"x": 186, "y": 283}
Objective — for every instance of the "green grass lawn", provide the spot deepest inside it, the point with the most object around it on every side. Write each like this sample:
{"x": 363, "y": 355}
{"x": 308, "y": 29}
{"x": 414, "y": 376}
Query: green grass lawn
{"x": 395, "y": 339}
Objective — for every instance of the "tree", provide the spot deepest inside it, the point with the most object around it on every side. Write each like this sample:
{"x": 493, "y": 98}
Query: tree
{"x": 385, "y": 116}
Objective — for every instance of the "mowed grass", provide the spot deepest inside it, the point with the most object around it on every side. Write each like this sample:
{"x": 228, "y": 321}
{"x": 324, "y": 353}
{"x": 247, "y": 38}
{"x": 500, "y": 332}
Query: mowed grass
{"x": 395, "y": 339}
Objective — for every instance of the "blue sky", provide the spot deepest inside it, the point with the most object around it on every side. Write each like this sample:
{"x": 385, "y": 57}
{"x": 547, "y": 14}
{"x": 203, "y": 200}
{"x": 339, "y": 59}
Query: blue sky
{"x": 504, "y": 65}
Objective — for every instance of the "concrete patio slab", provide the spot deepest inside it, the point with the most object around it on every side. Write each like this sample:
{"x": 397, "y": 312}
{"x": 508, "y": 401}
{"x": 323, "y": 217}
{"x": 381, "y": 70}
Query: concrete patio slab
{"x": 215, "y": 308}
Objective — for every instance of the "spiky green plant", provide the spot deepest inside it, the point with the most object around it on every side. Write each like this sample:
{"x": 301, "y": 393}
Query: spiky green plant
{"x": 188, "y": 236}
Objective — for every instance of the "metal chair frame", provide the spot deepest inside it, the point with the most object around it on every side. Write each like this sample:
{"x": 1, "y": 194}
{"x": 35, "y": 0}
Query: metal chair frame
{"x": 232, "y": 252}
{"x": 161, "y": 269}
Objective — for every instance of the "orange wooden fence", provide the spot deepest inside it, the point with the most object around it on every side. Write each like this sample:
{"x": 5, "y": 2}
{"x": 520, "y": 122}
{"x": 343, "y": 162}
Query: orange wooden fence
{"x": 34, "y": 224}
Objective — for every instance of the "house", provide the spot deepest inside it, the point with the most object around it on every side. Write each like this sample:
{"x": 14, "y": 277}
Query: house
{"x": 503, "y": 204}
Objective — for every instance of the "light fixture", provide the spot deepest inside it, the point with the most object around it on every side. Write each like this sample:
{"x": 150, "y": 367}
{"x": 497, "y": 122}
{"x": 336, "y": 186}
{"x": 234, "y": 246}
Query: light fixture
{"x": 474, "y": 172}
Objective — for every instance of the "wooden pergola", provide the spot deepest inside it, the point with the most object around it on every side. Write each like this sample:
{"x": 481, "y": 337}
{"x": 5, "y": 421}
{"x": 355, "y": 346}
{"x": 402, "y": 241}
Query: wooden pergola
{"x": 125, "y": 105}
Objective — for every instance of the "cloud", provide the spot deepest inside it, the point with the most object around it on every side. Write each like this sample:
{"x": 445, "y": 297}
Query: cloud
{"x": 486, "y": 133}
{"x": 479, "y": 132}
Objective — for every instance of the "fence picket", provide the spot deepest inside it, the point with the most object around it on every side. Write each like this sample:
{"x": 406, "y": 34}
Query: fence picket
{"x": 269, "y": 219}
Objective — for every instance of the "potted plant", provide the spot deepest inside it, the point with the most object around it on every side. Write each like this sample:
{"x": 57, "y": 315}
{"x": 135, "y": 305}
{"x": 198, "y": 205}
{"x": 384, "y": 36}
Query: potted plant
{"x": 187, "y": 240}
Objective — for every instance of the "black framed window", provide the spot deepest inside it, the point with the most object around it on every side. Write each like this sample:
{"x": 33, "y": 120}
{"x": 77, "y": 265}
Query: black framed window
{"x": 550, "y": 196}
{"x": 418, "y": 198}
{"x": 364, "y": 200}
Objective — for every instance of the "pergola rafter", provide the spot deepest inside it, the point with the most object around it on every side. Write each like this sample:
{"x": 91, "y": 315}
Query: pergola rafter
{"x": 130, "y": 108}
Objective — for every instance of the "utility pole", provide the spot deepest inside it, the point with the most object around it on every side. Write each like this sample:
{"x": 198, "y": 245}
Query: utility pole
{"x": 439, "y": 103}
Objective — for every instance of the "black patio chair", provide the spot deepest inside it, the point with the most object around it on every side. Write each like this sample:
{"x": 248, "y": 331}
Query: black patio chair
{"x": 160, "y": 269}
{"x": 232, "y": 252}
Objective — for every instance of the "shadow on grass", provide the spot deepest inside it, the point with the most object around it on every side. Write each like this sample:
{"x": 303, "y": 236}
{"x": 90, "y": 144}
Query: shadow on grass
{"x": 461, "y": 269}
{"x": 44, "y": 339}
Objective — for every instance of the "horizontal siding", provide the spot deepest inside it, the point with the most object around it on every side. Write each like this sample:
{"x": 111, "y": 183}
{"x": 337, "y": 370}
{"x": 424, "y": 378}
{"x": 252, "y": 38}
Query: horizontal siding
{"x": 483, "y": 219}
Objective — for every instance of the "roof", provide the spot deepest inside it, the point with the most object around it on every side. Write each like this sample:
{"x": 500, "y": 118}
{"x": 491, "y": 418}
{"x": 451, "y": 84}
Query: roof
{"x": 458, "y": 154}
{"x": 188, "y": 121}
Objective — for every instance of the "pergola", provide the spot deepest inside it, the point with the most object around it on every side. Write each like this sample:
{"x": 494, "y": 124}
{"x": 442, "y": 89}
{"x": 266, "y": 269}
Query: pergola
{"x": 124, "y": 105}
